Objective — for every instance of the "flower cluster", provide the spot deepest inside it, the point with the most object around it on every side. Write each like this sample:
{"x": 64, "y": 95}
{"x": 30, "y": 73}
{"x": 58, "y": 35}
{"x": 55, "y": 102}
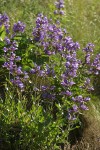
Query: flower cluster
{"x": 46, "y": 79}
{"x": 47, "y": 93}
{"x": 81, "y": 101}
{"x": 88, "y": 52}
{"x": 89, "y": 48}
{"x": 4, "y": 20}
{"x": 80, "y": 105}
{"x": 9, "y": 49}
{"x": 71, "y": 66}
{"x": 95, "y": 66}
{"x": 59, "y": 5}
{"x": 15, "y": 71}
{"x": 48, "y": 35}
{"x": 70, "y": 45}
{"x": 19, "y": 27}
{"x": 52, "y": 38}
{"x": 47, "y": 71}
{"x": 87, "y": 85}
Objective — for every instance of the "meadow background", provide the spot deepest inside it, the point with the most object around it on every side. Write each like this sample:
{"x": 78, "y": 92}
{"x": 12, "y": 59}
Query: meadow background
{"x": 82, "y": 21}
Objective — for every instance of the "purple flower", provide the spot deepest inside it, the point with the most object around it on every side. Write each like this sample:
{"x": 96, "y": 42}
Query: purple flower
{"x": 75, "y": 108}
{"x": 49, "y": 71}
{"x": 68, "y": 93}
{"x": 19, "y": 71}
{"x": 21, "y": 85}
{"x": 87, "y": 99}
{"x": 4, "y": 20}
{"x": 89, "y": 48}
{"x": 68, "y": 64}
{"x": 56, "y": 12}
{"x": 10, "y": 65}
{"x": 49, "y": 96}
{"x": 71, "y": 116}
{"x": 83, "y": 107}
{"x": 35, "y": 89}
{"x": 13, "y": 48}
{"x": 61, "y": 12}
{"x": 87, "y": 84}
{"x": 5, "y": 64}
{"x": 90, "y": 88}
{"x": 87, "y": 58}
{"x": 12, "y": 57}
{"x": 71, "y": 83}
{"x": 19, "y": 27}
{"x": 64, "y": 82}
{"x": 17, "y": 81}
{"x": 52, "y": 87}
{"x": 77, "y": 45}
{"x": 95, "y": 66}
{"x": 70, "y": 45}
{"x": 35, "y": 70}
{"x": 32, "y": 71}
{"x": 18, "y": 58}
{"x": 48, "y": 52}
{"x": 26, "y": 76}
{"x": 5, "y": 49}
{"x": 59, "y": 5}
{"x": 78, "y": 99}
{"x": 7, "y": 40}
{"x": 44, "y": 88}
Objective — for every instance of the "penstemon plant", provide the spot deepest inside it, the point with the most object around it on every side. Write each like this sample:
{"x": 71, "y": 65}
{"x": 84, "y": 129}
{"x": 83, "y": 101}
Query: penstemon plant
{"x": 49, "y": 86}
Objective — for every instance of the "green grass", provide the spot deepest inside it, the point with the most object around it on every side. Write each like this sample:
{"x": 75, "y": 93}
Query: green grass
{"x": 83, "y": 21}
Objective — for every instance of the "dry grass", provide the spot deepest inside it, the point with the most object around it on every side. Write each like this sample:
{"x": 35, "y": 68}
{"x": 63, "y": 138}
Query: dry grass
{"x": 91, "y": 131}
